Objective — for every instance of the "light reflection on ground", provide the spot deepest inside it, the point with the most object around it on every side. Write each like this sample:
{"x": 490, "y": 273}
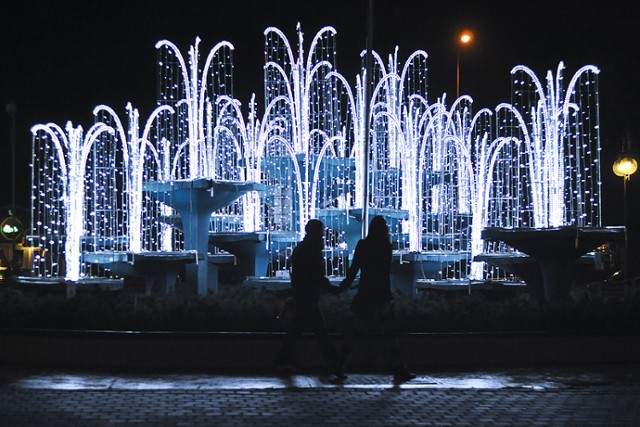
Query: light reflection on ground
{"x": 533, "y": 378}
{"x": 61, "y": 381}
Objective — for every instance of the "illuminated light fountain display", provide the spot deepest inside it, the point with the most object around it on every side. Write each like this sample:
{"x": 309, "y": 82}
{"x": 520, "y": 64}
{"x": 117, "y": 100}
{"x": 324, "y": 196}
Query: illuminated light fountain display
{"x": 107, "y": 246}
{"x": 444, "y": 205}
{"x": 135, "y": 147}
{"x": 560, "y": 217}
{"x": 308, "y": 163}
{"x": 202, "y": 184}
{"x": 201, "y": 155}
{"x": 559, "y": 128}
{"x": 58, "y": 199}
{"x": 412, "y": 174}
{"x": 477, "y": 156}
{"x": 398, "y": 102}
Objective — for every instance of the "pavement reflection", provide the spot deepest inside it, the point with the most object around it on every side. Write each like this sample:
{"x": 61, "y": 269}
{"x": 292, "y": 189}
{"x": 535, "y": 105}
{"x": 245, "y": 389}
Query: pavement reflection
{"x": 537, "y": 378}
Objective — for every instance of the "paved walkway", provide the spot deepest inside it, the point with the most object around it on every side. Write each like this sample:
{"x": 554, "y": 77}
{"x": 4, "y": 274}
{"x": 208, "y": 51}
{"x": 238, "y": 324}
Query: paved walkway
{"x": 567, "y": 395}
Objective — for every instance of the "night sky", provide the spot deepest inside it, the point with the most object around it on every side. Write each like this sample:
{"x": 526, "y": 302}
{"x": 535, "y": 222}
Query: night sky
{"x": 61, "y": 58}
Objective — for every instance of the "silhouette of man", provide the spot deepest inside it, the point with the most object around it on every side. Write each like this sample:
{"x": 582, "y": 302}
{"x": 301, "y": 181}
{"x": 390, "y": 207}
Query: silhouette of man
{"x": 308, "y": 281}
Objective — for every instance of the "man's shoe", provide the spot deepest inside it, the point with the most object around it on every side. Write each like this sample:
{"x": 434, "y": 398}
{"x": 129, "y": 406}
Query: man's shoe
{"x": 339, "y": 374}
{"x": 337, "y": 369}
{"x": 402, "y": 374}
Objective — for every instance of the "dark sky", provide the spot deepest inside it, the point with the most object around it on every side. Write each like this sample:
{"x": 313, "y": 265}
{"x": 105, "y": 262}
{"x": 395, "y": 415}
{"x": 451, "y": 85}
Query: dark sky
{"x": 61, "y": 58}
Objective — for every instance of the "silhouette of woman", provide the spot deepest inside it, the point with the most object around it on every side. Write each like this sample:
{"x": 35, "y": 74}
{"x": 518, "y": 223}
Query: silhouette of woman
{"x": 373, "y": 303}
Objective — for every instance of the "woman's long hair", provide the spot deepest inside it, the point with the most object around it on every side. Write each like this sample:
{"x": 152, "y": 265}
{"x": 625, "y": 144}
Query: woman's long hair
{"x": 378, "y": 230}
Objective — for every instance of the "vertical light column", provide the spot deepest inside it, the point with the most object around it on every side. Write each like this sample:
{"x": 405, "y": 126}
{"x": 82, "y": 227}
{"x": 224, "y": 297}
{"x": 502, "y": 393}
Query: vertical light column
{"x": 562, "y": 145}
{"x": 72, "y": 148}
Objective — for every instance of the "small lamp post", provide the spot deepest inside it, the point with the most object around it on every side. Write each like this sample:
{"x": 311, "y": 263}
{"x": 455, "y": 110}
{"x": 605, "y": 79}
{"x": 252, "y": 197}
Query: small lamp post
{"x": 625, "y": 166}
{"x": 11, "y": 229}
{"x": 464, "y": 39}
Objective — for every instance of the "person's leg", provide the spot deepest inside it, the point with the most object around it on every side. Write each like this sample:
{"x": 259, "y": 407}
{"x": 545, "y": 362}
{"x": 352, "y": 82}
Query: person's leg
{"x": 294, "y": 332}
{"x": 326, "y": 346}
{"x": 353, "y": 335}
{"x": 392, "y": 345}
{"x": 400, "y": 371}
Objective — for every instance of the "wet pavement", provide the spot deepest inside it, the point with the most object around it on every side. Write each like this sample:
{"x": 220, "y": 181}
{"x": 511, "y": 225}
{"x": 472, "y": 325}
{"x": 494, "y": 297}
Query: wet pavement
{"x": 547, "y": 395}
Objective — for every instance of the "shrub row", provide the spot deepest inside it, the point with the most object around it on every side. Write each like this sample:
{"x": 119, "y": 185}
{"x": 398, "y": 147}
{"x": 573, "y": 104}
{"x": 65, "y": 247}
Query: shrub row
{"x": 236, "y": 308}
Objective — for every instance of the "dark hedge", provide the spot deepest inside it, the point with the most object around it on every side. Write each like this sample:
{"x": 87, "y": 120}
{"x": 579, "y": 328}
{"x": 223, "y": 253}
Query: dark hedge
{"x": 236, "y": 308}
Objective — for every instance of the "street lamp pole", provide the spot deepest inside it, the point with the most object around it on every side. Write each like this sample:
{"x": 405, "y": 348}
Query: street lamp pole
{"x": 457, "y": 74}
{"x": 464, "y": 39}
{"x": 625, "y": 166}
{"x": 367, "y": 81}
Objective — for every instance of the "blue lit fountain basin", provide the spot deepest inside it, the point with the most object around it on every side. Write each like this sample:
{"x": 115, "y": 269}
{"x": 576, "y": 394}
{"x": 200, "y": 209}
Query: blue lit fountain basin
{"x": 430, "y": 264}
{"x": 254, "y": 249}
{"x": 219, "y": 193}
{"x": 351, "y": 221}
{"x": 554, "y": 250}
{"x": 566, "y": 241}
{"x": 281, "y": 282}
{"x": 130, "y": 263}
{"x": 528, "y": 269}
{"x": 410, "y": 267}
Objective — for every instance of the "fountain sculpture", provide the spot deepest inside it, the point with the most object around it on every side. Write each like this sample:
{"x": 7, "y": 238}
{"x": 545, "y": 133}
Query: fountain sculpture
{"x": 203, "y": 184}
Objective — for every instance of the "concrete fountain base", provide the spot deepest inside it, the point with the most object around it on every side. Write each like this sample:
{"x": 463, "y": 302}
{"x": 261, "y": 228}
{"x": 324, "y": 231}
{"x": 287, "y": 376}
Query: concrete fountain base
{"x": 553, "y": 250}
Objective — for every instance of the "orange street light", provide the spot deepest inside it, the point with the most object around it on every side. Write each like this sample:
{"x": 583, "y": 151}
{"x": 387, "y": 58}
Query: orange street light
{"x": 465, "y": 38}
